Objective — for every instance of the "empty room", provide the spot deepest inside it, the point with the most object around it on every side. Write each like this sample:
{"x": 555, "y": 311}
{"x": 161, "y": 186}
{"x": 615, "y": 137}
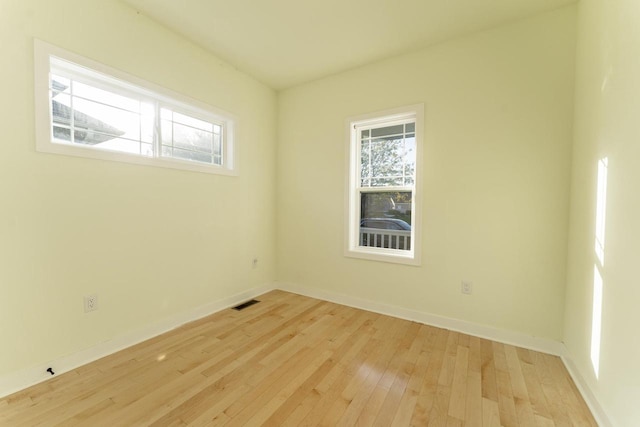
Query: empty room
{"x": 337, "y": 213}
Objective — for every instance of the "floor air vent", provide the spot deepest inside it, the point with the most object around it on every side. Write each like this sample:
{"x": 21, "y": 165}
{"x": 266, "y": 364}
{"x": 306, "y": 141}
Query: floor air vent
{"x": 245, "y": 304}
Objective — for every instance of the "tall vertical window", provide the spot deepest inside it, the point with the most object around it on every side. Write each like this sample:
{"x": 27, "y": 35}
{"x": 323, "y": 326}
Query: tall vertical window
{"x": 383, "y": 217}
{"x": 87, "y": 109}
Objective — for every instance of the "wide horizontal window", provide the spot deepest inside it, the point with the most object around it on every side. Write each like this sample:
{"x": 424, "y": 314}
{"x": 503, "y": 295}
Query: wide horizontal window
{"x": 89, "y": 110}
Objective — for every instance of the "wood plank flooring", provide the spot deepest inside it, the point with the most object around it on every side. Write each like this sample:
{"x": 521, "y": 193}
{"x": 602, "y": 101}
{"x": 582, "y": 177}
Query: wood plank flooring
{"x": 296, "y": 361}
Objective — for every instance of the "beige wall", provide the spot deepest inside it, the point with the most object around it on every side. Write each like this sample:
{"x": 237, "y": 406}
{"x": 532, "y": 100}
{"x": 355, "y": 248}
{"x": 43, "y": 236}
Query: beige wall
{"x": 607, "y": 125}
{"x": 498, "y": 115}
{"x": 151, "y": 242}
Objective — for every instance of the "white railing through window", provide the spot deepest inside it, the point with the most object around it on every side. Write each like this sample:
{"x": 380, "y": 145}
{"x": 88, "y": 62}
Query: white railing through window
{"x": 383, "y": 238}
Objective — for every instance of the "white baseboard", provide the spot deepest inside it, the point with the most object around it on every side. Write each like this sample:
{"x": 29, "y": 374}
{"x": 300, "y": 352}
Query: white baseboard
{"x": 482, "y": 331}
{"x": 590, "y": 399}
{"x": 22, "y": 379}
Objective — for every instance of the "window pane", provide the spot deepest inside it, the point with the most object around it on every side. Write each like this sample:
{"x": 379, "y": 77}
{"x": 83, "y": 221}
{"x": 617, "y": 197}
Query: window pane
{"x": 410, "y": 127}
{"x": 387, "y": 182}
{"x": 60, "y": 111}
{"x": 166, "y": 127}
{"x": 166, "y": 114}
{"x": 104, "y": 119}
{"x": 60, "y": 84}
{"x": 388, "y": 130}
{"x": 385, "y": 219}
{"x": 387, "y": 157}
{"x": 365, "y": 166}
{"x": 147, "y": 122}
{"x": 386, "y": 204}
{"x": 98, "y": 117}
{"x": 192, "y": 139}
{"x": 87, "y": 128}
{"x": 61, "y": 133}
{"x": 409, "y": 160}
{"x": 365, "y": 134}
{"x": 189, "y": 138}
{"x": 193, "y": 122}
{"x": 105, "y": 97}
{"x": 217, "y": 144}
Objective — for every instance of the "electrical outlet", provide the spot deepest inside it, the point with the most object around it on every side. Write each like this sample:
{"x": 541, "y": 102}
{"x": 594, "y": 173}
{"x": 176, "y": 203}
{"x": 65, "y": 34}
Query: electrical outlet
{"x": 466, "y": 287}
{"x": 90, "y": 303}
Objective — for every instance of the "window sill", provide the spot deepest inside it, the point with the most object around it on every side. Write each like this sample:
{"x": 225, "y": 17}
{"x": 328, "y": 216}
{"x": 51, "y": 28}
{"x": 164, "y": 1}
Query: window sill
{"x": 114, "y": 156}
{"x": 384, "y": 255}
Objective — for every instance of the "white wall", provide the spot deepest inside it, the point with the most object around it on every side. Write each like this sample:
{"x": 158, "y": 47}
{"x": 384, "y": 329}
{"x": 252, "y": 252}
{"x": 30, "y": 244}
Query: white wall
{"x": 151, "y": 242}
{"x": 607, "y": 124}
{"x": 496, "y": 180}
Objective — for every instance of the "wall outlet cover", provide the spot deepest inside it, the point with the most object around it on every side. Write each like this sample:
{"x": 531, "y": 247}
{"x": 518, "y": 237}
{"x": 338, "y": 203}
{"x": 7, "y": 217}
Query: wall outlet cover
{"x": 90, "y": 303}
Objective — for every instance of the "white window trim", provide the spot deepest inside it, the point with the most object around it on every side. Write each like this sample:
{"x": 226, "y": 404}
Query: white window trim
{"x": 352, "y": 217}
{"x": 44, "y": 141}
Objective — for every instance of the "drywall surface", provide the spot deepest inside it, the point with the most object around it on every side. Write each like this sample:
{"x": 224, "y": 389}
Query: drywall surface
{"x": 151, "y": 242}
{"x": 602, "y": 298}
{"x": 497, "y": 145}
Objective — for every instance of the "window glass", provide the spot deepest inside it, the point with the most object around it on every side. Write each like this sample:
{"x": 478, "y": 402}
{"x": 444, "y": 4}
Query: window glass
{"x": 382, "y": 203}
{"x": 189, "y": 138}
{"x": 386, "y": 211}
{"x": 388, "y": 159}
{"x": 89, "y": 110}
{"x": 115, "y": 122}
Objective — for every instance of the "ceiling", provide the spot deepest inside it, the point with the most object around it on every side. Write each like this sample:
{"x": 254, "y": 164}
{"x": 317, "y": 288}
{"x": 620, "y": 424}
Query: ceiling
{"x": 287, "y": 42}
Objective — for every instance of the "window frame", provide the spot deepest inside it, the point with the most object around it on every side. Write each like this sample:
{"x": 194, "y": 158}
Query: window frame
{"x": 95, "y": 74}
{"x": 354, "y": 189}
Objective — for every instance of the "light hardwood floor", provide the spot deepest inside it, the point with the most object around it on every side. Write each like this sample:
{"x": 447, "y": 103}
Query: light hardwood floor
{"x": 296, "y": 361}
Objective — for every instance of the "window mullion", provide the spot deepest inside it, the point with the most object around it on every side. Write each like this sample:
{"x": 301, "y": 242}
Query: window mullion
{"x": 381, "y": 189}
{"x": 370, "y": 153}
{"x": 357, "y": 164}
{"x": 157, "y": 134}
{"x": 140, "y": 126}
{"x": 358, "y": 159}
{"x": 404, "y": 155}
{"x": 72, "y": 122}
{"x": 222, "y": 138}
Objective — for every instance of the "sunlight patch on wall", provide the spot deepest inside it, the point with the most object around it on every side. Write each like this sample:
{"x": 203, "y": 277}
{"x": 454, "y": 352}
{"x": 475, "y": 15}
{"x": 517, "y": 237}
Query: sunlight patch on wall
{"x": 596, "y": 315}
